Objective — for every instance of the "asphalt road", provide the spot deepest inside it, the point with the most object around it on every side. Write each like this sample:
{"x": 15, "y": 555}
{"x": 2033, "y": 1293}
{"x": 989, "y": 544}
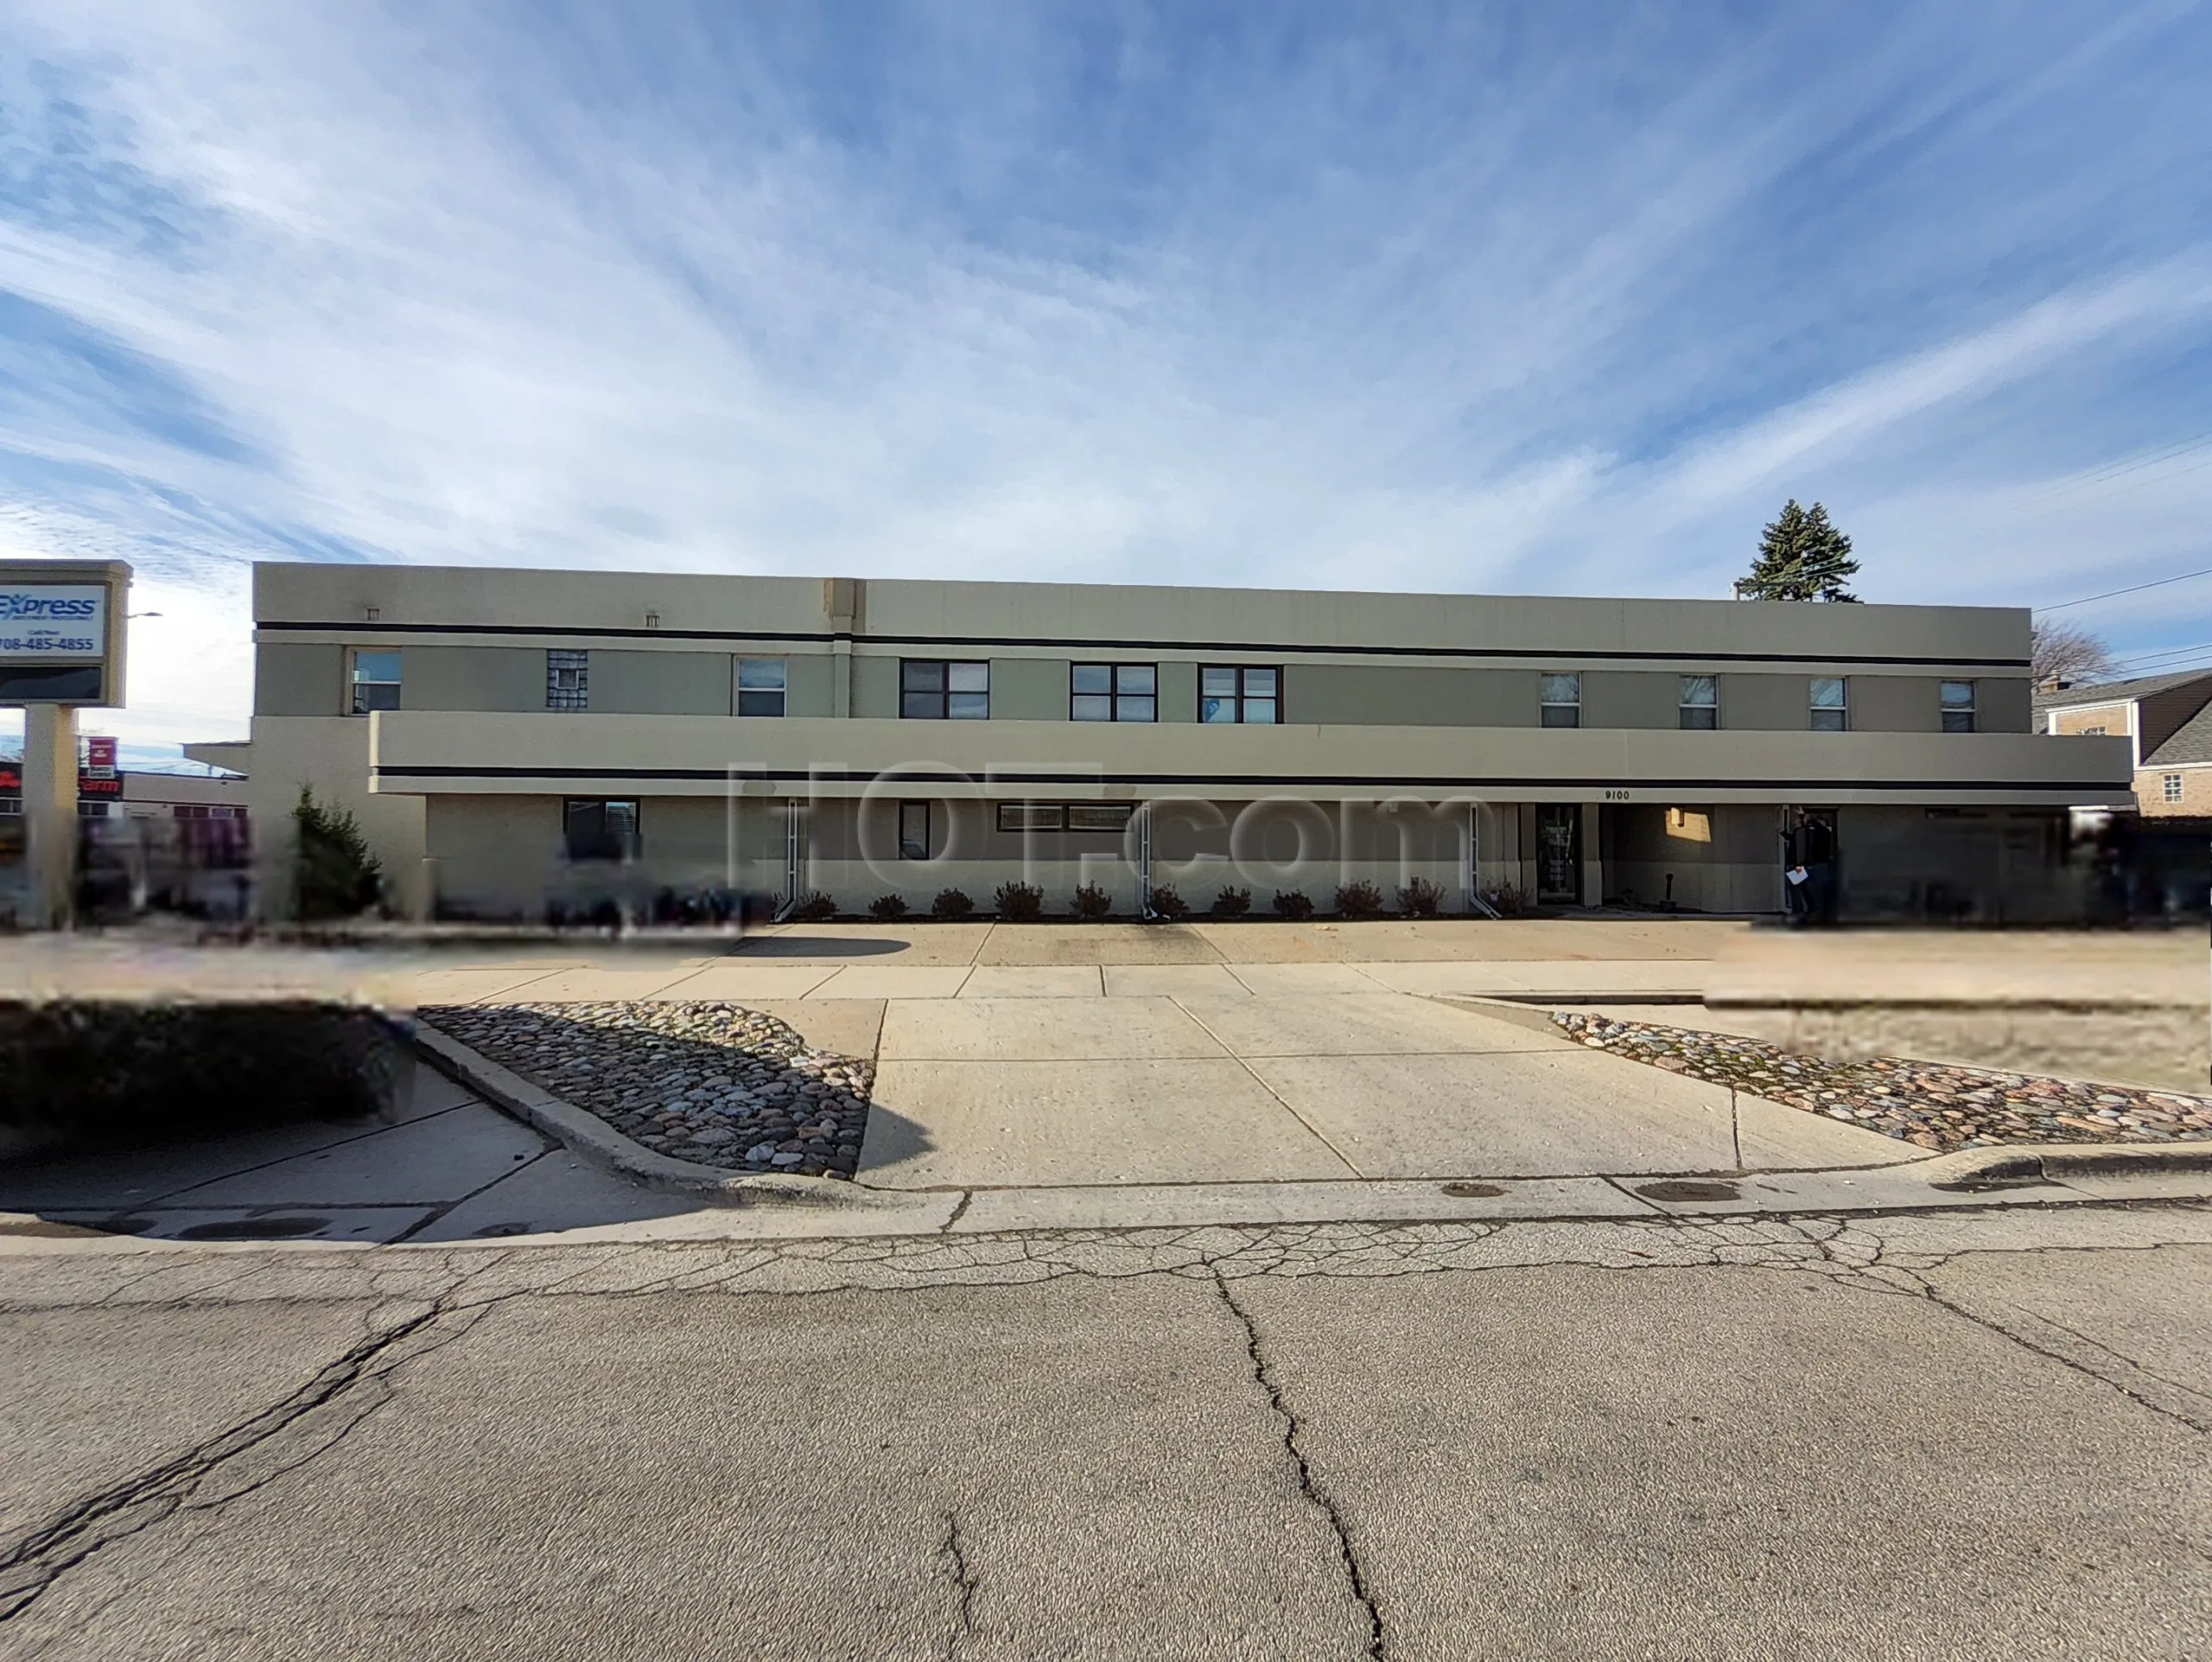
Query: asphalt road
{"x": 1938, "y": 1437}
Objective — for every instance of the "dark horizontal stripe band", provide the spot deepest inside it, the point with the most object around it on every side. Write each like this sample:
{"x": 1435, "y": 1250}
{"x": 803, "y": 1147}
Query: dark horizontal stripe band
{"x": 969, "y": 643}
{"x": 1198, "y": 782}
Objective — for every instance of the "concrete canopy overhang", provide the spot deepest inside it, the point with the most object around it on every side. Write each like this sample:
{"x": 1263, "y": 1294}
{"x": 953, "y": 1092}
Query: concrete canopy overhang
{"x": 438, "y": 754}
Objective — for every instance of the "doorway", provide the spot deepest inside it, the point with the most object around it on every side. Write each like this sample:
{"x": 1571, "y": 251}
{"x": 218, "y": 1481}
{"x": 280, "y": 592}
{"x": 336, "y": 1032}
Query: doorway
{"x": 1559, "y": 853}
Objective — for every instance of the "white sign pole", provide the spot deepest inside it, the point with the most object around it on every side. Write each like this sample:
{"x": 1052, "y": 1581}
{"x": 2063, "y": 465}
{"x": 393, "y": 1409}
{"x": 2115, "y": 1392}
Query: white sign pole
{"x": 50, "y": 811}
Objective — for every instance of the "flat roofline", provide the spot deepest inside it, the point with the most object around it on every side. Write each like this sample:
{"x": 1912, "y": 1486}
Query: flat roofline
{"x": 1004, "y": 585}
{"x": 1125, "y": 643}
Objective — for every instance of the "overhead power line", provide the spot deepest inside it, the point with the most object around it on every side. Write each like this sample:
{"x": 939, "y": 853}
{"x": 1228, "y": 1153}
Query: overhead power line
{"x": 2129, "y": 465}
{"x": 2135, "y": 659}
{"x": 2136, "y": 589}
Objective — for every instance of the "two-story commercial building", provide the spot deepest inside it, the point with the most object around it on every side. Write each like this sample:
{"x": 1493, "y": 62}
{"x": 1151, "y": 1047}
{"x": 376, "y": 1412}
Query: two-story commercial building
{"x": 515, "y": 740}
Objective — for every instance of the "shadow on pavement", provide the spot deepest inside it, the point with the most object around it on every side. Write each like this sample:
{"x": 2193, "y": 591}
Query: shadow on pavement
{"x": 447, "y": 1167}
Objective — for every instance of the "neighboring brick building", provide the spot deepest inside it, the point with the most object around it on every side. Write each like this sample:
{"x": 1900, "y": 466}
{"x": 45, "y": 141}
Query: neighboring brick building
{"x": 2168, "y": 722}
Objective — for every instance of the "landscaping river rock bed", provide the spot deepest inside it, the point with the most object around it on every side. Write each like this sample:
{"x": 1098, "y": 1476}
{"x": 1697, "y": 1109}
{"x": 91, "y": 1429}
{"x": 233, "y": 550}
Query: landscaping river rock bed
{"x": 1932, "y": 1104}
{"x": 714, "y": 1083}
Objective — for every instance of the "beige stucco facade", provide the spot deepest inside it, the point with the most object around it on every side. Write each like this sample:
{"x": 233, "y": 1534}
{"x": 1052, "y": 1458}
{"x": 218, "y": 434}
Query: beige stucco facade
{"x": 1409, "y": 738}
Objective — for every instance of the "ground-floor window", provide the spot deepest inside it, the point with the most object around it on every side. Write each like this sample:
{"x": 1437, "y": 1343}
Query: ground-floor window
{"x": 913, "y": 831}
{"x": 595, "y": 828}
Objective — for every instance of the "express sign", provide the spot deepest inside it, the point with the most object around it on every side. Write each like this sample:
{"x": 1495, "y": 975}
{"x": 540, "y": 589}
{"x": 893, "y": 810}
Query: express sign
{"x": 51, "y": 622}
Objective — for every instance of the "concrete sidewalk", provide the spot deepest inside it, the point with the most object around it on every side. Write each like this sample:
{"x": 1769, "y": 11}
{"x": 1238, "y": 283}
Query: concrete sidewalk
{"x": 1020, "y": 1115}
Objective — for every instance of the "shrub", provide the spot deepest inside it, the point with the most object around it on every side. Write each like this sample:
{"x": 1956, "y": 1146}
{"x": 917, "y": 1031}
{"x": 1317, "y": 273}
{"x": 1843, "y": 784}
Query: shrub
{"x": 1512, "y": 900}
{"x": 1092, "y": 902}
{"x": 1019, "y": 902}
{"x": 333, "y": 874}
{"x": 813, "y": 907}
{"x": 1294, "y": 903}
{"x": 887, "y": 908}
{"x": 1358, "y": 900}
{"x": 1231, "y": 903}
{"x": 950, "y": 904}
{"x": 1421, "y": 899}
{"x": 1166, "y": 903}
{"x": 120, "y": 1073}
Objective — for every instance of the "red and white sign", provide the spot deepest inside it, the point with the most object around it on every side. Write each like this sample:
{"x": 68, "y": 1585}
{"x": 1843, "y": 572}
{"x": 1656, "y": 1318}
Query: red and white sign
{"x": 100, "y": 758}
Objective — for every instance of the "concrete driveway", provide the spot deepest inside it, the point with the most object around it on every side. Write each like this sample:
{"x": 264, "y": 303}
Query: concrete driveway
{"x": 1214, "y": 1087}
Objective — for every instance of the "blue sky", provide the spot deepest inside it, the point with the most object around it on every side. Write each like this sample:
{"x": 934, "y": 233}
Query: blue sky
{"x": 1552, "y": 298}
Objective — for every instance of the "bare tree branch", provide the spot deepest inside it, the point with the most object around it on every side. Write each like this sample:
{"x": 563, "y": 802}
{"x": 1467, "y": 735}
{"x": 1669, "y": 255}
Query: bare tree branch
{"x": 2066, "y": 652}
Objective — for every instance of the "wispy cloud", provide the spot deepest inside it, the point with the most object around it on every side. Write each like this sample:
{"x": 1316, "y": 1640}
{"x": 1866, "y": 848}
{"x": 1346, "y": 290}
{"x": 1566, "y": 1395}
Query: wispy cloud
{"x": 1444, "y": 298}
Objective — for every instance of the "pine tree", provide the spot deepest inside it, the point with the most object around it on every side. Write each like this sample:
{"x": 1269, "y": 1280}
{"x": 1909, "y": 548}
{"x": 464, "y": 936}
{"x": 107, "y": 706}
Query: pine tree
{"x": 1801, "y": 556}
{"x": 333, "y": 874}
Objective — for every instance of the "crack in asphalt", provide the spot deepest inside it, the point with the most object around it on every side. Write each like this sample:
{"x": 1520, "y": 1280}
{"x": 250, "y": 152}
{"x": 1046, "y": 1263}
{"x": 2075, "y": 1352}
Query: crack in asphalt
{"x": 954, "y": 1551}
{"x": 2073, "y": 1364}
{"x": 1308, "y": 1484}
{"x": 1847, "y": 1248}
{"x": 30, "y": 1567}
{"x": 421, "y": 1299}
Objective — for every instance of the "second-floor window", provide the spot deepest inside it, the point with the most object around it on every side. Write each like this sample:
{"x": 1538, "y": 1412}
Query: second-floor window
{"x": 1830, "y": 712}
{"x": 1559, "y": 700}
{"x": 1113, "y": 692}
{"x": 375, "y": 677}
{"x": 937, "y": 691}
{"x": 2169, "y": 788}
{"x": 760, "y": 686}
{"x": 1240, "y": 693}
{"x": 1699, "y": 702}
{"x": 568, "y": 680}
{"x": 1956, "y": 699}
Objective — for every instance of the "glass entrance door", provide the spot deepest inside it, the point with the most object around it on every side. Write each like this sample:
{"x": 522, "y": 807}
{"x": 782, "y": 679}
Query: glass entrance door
{"x": 1559, "y": 853}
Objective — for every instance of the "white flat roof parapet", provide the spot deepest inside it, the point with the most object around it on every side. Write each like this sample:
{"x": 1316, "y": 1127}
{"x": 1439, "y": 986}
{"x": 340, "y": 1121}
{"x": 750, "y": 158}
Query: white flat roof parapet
{"x": 313, "y": 601}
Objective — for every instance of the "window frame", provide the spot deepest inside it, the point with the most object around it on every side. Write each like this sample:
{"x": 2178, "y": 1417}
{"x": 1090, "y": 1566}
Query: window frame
{"x": 1243, "y": 697}
{"x": 626, "y": 846}
{"x": 781, "y": 692}
{"x": 1115, "y": 698}
{"x": 558, "y": 697}
{"x": 1946, "y": 710}
{"x": 1041, "y": 817}
{"x": 354, "y": 682}
{"x": 1548, "y": 706}
{"x": 1121, "y": 813}
{"x": 1841, "y": 709}
{"x": 922, "y": 808}
{"x": 944, "y": 691}
{"x": 2169, "y": 789}
{"x": 1684, "y": 706}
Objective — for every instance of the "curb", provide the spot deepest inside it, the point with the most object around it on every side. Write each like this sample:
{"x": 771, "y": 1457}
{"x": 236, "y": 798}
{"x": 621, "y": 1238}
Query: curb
{"x": 2053, "y": 1161}
{"x": 586, "y": 1134}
